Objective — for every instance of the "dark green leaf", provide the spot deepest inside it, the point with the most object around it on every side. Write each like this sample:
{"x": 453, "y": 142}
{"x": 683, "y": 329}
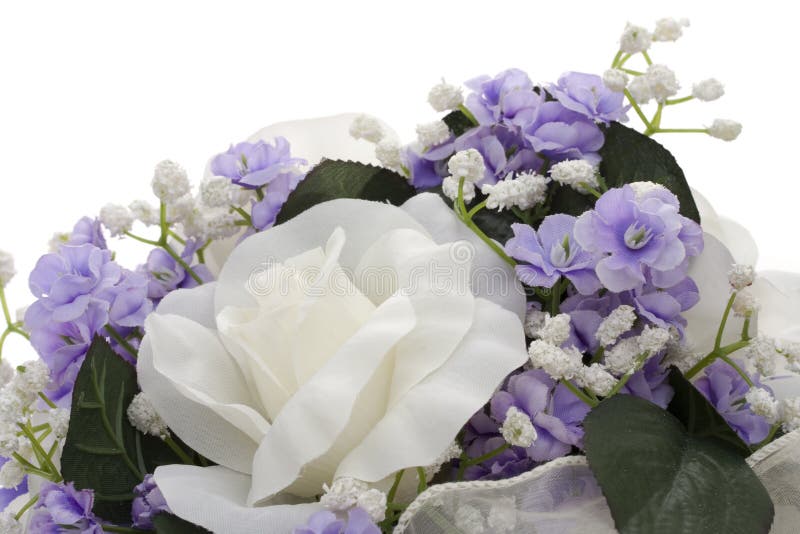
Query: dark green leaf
{"x": 334, "y": 179}
{"x": 495, "y": 224}
{"x": 458, "y": 122}
{"x": 102, "y": 450}
{"x": 629, "y": 156}
{"x": 659, "y": 479}
{"x": 171, "y": 524}
{"x": 699, "y": 416}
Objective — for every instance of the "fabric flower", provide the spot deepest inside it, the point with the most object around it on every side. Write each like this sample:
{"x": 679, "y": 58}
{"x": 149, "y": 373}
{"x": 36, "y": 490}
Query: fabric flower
{"x": 482, "y": 436}
{"x": 358, "y": 522}
{"x": 559, "y": 134}
{"x": 588, "y": 95}
{"x": 254, "y": 165}
{"x": 243, "y": 369}
{"x": 651, "y": 382}
{"x": 508, "y": 98}
{"x": 166, "y": 275}
{"x": 632, "y": 233}
{"x": 87, "y": 230}
{"x": 148, "y": 502}
{"x": 550, "y": 253}
{"x": 62, "y": 506}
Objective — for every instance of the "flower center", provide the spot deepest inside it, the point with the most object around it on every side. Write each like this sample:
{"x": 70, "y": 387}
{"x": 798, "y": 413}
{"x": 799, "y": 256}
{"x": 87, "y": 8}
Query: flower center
{"x": 560, "y": 253}
{"x": 637, "y": 236}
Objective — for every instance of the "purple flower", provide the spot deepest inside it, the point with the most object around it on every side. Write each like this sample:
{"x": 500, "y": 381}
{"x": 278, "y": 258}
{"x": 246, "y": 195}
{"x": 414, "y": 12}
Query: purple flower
{"x": 508, "y": 98}
{"x": 253, "y": 165}
{"x": 89, "y": 231}
{"x": 503, "y": 149}
{"x": 325, "y": 522}
{"x": 482, "y": 436}
{"x": 61, "y": 505}
{"x": 635, "y": 232}
{"x": 166, "y": 275}
{"x": 550, "y": 253}
{"x": 555, "y": 412}
{"x": 561, "y": 134}
{"x": 650, "y": 383}
{"x": 427, "y": 169}
{"x": 663, "y": 306}
{"x": 265, "y": 212}
{"x": 149, "y": 502}
{"x": 725, "y": 389}
{"x": 587, "y": 94}
{"x": 9, "y": 494}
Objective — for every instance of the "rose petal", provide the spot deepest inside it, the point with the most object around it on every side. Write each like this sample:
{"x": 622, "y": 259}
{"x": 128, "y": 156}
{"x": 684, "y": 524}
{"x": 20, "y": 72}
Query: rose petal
{"x": 196, "y": 304}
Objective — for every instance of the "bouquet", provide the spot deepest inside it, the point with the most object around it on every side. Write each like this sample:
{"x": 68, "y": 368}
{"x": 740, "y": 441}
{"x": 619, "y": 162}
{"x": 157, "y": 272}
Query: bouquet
{"x": 523, "y": 321}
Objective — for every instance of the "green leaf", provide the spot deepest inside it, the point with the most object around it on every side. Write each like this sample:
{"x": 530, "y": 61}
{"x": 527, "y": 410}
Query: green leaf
{"x": 165, "y": 523}
{"x": 699, "y": 417}
{"x": 495, "y": 224}
{"x": 629, "y": 156}
{"x": 334, "y": 179}
{"x": 458, "y": 122}
{"x": 102, "y": 450}
{"x": 660, "y": 479}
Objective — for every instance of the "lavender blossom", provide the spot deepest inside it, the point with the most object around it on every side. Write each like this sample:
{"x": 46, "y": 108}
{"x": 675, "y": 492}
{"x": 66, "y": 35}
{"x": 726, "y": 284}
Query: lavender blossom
{"x": 508, "y": 98}
{"x": 265, "y": 212}
{"x": 651, "y": 383}
{"x": 149, "y": 501}
{"x": 662, "y": 306}
{"x": 482, "y": 436}
{"x": 725, "y": 389}
{"x": 166, "y": 275}
{"x": 253, "y": 165}
{"x": 325, "y": 522}
{"x": 89, "y": 231}
{"x": 504, "y": 151}
{"x": 587, "y": 94}
{"x": 550, "y": 253}
{"x": 61, "y": 507}
{"x": 632, "y": 233}
{"x": 562, "y": 134}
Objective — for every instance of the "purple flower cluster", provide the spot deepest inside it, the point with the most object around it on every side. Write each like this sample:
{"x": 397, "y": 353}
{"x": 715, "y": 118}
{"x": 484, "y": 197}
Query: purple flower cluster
{"x": 325, "y": 522}
{"x": 556, "y": 415}
{"x": 62, "y": 508}
{"x": 80, "y": 290}
{"x": 149, "y": 502}
{"x": 521, "y": 125}
{"x": 725, "y": 389}
{"x": 262, "y": 166}
{"x": 165, "y": 275}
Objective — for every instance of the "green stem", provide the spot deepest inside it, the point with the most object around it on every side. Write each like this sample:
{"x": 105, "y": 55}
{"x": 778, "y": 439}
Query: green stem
{"x": 245, "y": 216}
{"x": 6, "y": 313}
{"x": 616, "y": 59}
{"x": 423, "y": 482}
{"x": 555, "y": 297}
{"x": 176, "y": 237}
{"x": 45, "y": 461}
{"x": 627, "y": 376}
{"x": 632, "y": 72}
{"x": 682, "y": 130}
{"x": 647, "y": 57}
{"x": 468, "y": 462}
{"x": 637, "y": 109}
{"x": 677, "y": 101}
{"x": 185, "y": 458}
{"x": 746, "y": 329}
{"x": 589, "y": 189}
{"x": 142, "y": 239}
{"x": 461, "y": 210}
{"x": 116, "y": 336}
{"x": 724, "y": 322}
{"x": 115, "y": 528}
{"x": 478, "y": 207}
{"x": 769, "y": 438}
{"x": 580, "y": 394}
{"x": 49, "y": 403}
{"x": 624, "y": 60}
{"x": 738, "y": 369}
{"x": 27, "y": 507}
{"x": 713, "y": 355}
{"x": 395, "y": 486}
{"x": 463, "y": 109}
{"x": 182, "y": 263}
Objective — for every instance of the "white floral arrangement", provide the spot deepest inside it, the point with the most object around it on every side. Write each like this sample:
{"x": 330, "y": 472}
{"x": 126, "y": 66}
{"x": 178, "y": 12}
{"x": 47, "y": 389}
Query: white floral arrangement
{"x": 523, "y": 321}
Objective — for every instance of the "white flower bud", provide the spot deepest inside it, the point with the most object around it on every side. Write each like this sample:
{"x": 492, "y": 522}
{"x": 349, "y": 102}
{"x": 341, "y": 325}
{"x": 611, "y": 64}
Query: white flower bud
{"x": 575, "y": 173}
{"x": 596, "y": 379}
{"x": 740, "y": 276}
{"x": 467, "y": 164}
{"x": 118, "y": 219}
{"x": 662, "y": 81}
{"x": 725, "y": 129}
{"x": 11, "y": 474}
{"x": 745, "y": 304}
{"x": 32, "y": 377}
{"x": 433, "y": 133}
{"x": 617, "y": 323}
{"x": 789, "y": 413}
{"x": 170, "y": 181}
{"x": 534, "y": 321}
{"x": 144, "y": 418}
{"x": 640, "y": 189}
{"x": 762, "y": 403}
{"x": 518, "y": 429}
{"x": 445, "y": 97}
{"x": 634, "y": 39}
{"x": 388, "y": 152}
{"x": 622, "y": 358}
{"x": 367, "y": 128}
{"x": 6, "y": 373}
{"x": 59, "y": 421}
{"x": 7, "y": 270}
{"x": 217, "y": 191}
{"x": 373, "y": 502}
{"x": 708, "y": 90}
{"x": 764, "y": 353}
{"x": 556, "y": 362}
{"x": 450, "y": 189}
{"x": 652, "y": 340}
{"x": 524, "y": 192}
{"x": 669, "y": 29}
{"x": 182, "y": 209}
{"x": 556, "y": 329}
{"x": 144, "y": 212}
{"x": 342, "y": 494}
{"x": 9, "y": 523}
{"x": 615, "y": 80}
{"x": 639, "y": 89}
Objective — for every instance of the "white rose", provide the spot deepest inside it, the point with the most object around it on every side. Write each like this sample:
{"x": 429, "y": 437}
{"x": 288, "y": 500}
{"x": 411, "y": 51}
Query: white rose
{"x": 305, "y": 362}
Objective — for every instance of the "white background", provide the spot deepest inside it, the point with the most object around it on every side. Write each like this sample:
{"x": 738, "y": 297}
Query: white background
{"x": 93, "y": 94}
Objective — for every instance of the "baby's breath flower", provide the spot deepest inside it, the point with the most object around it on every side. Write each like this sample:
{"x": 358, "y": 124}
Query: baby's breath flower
{"x": 58, "y": 239}
{"x": 433, "y": 133}
{"x": 596, "y": 379}
{"x": 445, "y": 97}
{"x": 575, "y": 173}
{"x": 762, "y": 403}
{"x": 524, "y": 192}
{"x": 740, "y": 276}
{"x": 556, "y": 329}
{"x": 144, "y": 212}
{"x": 467, "y": 164}
{"x": 681, "y": 355}
{"x": 725, "y": 129}
{"x": 669, "y": 29}
{"x": 619, "y": 321}
{"x": 6, "y": 373}
{"x": 170, "y": 181}
{"x": 388, "y": 152}
{"x": 450, "y": 189}
{"x": 217, "y": 191}
{"x": 518, "y": 429}
{"x": 59, "y": 421}
{"x": 789, "y": 413}
{"x": 615, "y": 80}
{"x": 763, "y": 352}
{"x": 367, "y": 128}
{"x": 118, "y": 219}
{"x": 662, "y": 81}
{"x": 642, "y": 188}
{"x": 9, "y": 523}
{"x": 635, "y": 39}
{"x": 11, "y": 474}
{"x": 652, "y": 340}
{"x": 556, "y": 362}
{"x": 182, "y": 209}
{"x": 534, "y": 321}
{"x": 745, "y": 304}
{"x": 7, "y": 270}
{"x": 342, "y": 494}
{"x": 622, "y": 357}
{"x": 373, "y": 501}
{"x": 639, "y": 89}
{"x": 708, "y": 90}
{"x": 144, "y": 418}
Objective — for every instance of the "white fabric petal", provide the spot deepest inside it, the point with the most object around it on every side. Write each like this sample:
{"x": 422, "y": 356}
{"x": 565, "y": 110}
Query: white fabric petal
{"x": 710, "y": 273}
{"x": 733, "y": 235}
{"x": 199, "y": 391}
{"x": 492, "y": 278}
{"x": 215, "y": 498}
{"x": 196, "y": 304}
{"x": 426, "y": 420}
{"x": 330, "y": 414}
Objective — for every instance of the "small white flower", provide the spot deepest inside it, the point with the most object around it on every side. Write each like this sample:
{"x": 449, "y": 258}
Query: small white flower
{"x": 740, "y": 276}
{"x": 342, "y": 494}
{"x": 467, "y": 164}
{"x": 450, "y": 189}
{"x": 219, "y": 225}
{"x": 445, "y": 97}
{"x": 789, "y": 413}
{"x": 11, "y": 474}
{"x": 373, "y": 502}
{"x": 503, "y": 515}
{"x": 388, "y": 152}
{"x": 524, "y": 192}
{"x": 7, "y": 270}
{"x": 615, "y": 80}
{"x": 9, "y": 441}
{"x": 451, "y": 453}
{"x": 59, "y": 421}
{"x": 58, "y": 239}
{"x": 597, "y": 380}
{"x": 575, "y": 173}
{"x": 662, "y": 81}
{"x": 182, "y": 209}
{"x": 790, "y": 350}
{"x": 764, "y": 354}
{"x": 635, "y": 39}
{"x": 367, "y": 128}
{"x": 144, "y": 418}
{"x": 13, "y": 403}
{"x": 469, "y": 520}
{"x": 745, "y": 304}
{"x": 681, "y": 355}
{"x": 9, "y": 523}
{"x": 618, "y": 322}
{"x": 556, "y": 362}
{"x": 33, "y": 376}
{"x": 6, "y": 373}
{"x": 534, "y": 321}
{"x": 669, "y": 29}
{"x": 118, "y": 219}
{"x": 144, "y": 212}
{"x": 170, "y": 181}
{"x": 622, "y": 358}
{"x": 556, "y": 329}
{"x": 639, "y": 89}
{"x": 708, "y": 90}
{"x": 640, "y": 189}
{"x": 433, "y": 133}
{"x": 518, "y": 429}
{"x": 725, "y": 129}
{"x": 652, "y": 340}
{"x": 762, "y": 403}
{"x": 217, "y": 191}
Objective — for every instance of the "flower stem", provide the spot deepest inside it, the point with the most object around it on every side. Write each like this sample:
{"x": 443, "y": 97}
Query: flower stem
{"x": 637, "y": 109}
{"x": 579, "y": 393}
{"x": 725, "y": 315}
{"x": 463, "y": 109}
{"x": 738, "y": 369}
{"x": 179, "y": 452}
{"x": 677, "y": 101}
{"x": 461, "y": 211}
{"x": 713, "y": 355}
{"x": 27, "y": 507}
{"x": 423, "y": 482}
{"x": 682, "y": 130}
{"x": 646, "y": 57}
{"x": 6, "y": 313}
{"x": 480, "y": 459}
{"x": 142, "y": 239}
{"x": 116, "y": 336}
{"x": 395, "y": 486}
